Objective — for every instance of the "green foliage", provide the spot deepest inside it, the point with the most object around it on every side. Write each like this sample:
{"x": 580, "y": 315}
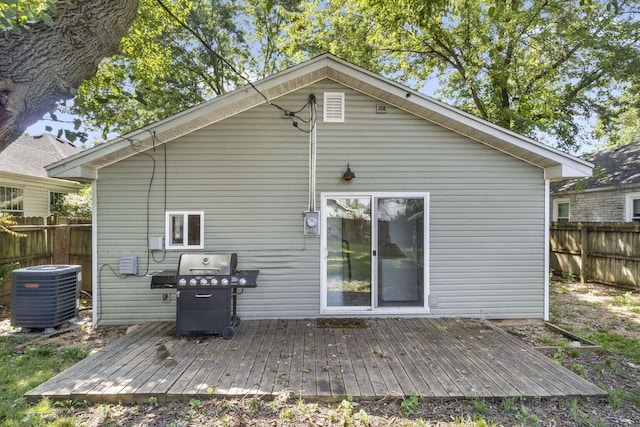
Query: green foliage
{"x": 164, "y": 68}
{"x": 479, "y": 406}
{"x": 539, "y": 67}
{"x": 77, "y": 205}
{"x": 579, "y": 369}
{"x": 5, "y": 270}
{"x": 615, "y": 397}
{"x": 526, "y": 417}
{"x": 409, "y": 405}
{"x": 613, "y": 342}
{"x": 18, "y": 15}
{"x": 22, "y": 368}
{"x": 621, "y": 124}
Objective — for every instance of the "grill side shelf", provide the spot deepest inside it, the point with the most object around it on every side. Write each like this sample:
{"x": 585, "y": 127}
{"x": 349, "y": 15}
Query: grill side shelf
{"x": 165, "y": 279}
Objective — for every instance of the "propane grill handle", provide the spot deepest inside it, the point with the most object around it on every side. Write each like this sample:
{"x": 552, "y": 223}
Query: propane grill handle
{"x": 204, "y": 295}
{"x": 204, "y": 268}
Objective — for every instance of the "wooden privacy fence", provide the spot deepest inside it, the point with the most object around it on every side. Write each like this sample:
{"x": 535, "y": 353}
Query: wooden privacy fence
{"x": 50, "y": 240}
{"x": 606, "y": 252}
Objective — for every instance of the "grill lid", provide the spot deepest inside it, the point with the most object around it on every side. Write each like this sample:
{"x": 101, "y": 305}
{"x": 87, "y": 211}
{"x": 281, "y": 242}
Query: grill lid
{"x": 207, "y": 264}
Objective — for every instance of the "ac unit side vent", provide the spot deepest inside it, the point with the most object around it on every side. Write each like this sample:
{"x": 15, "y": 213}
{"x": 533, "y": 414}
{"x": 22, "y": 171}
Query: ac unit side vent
{"x": 333, "y": 108}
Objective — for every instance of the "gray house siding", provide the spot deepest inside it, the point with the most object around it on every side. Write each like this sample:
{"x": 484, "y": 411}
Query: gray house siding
{"x": 249, "y": 174}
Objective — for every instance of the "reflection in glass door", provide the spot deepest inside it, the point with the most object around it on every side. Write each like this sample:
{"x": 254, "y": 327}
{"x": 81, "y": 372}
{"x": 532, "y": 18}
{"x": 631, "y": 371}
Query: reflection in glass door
{"x": 400, "y": 251}
{"x": 348, "y": 263}
{"x": 375, "y": 252}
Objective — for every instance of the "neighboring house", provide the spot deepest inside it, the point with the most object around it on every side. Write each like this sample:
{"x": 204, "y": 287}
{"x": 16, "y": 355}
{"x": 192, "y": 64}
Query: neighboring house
{"x": 446, "y": 214}
{"x": 612, "y": 194}
{"x": 25, "y": 188}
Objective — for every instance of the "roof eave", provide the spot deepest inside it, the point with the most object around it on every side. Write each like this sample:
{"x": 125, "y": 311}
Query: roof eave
{"x": 556, "y": 164}
{"x": 565, "y": 171}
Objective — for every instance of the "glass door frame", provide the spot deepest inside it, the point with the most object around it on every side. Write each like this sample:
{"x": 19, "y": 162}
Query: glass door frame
{"x": 324, "y": 253}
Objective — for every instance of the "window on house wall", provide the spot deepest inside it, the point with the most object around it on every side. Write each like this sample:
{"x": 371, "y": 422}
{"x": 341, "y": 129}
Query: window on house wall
{"x": 184, "y": 230}
{"x": 632, "y": 207}
{"x": 561, "y": 210}
{"x": 12, "y": 200}
{"x": 55, "y": 199}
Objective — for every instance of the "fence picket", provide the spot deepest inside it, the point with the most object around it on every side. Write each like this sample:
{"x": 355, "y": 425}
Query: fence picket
{"x": 606, "y": 252}
{"x": 49, "y": 240}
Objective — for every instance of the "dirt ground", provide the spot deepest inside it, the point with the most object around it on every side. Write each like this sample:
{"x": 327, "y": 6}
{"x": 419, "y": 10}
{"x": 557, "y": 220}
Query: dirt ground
{"x": 590, "y": 307}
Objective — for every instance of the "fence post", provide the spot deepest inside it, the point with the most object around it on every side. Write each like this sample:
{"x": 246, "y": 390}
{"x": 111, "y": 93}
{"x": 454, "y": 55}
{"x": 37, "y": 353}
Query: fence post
{"x": 584, "y": 254}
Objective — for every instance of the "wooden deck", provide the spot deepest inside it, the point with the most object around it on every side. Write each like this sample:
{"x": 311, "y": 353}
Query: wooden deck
{"x": 438, "y": 358}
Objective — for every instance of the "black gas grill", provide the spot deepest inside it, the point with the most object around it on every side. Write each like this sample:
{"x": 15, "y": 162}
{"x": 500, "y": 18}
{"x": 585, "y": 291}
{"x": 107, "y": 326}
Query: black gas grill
{"x": 207, "y": 287}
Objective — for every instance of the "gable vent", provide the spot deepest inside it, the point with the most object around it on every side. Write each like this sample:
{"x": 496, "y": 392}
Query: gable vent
{"x": 333, "y": 111}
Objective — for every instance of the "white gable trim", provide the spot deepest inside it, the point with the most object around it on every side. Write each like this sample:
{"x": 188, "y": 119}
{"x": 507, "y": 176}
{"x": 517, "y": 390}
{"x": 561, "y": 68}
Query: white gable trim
{"x": 556, "y": 164}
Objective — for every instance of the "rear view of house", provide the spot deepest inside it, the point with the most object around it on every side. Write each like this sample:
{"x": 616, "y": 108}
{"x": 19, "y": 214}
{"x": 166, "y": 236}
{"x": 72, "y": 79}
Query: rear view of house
{"x": 353, "y": 196}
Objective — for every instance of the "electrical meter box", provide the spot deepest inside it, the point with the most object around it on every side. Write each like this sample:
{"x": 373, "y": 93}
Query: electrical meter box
{"x": 311, "y": 223}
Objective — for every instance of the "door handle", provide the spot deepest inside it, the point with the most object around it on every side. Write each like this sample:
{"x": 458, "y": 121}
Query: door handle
{"x": 375, "y": 252}
{"x": 204, "y": 295}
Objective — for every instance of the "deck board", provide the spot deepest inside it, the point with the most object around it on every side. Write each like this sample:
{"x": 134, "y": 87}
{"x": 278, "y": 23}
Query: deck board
{"x": 438, "y": 358}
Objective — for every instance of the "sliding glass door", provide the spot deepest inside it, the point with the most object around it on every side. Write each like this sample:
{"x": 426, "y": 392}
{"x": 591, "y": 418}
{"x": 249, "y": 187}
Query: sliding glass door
{"x": 374, "y": 252}
{"x": 348, "y": 261}
{"x": 400, "y": 254}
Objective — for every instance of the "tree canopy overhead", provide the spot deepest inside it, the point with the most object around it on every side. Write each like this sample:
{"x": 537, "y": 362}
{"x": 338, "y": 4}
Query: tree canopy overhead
{"x": 47, "y": 49}
{"x": 544, "y": 68}
{"x": 540, "y": 68}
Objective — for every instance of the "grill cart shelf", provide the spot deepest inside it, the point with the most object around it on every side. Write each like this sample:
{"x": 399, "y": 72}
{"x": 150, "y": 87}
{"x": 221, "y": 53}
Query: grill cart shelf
{"x": 207, "y": 287}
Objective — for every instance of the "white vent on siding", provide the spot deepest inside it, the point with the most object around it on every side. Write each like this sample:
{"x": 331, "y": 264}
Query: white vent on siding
{"x": 333, "y": 111}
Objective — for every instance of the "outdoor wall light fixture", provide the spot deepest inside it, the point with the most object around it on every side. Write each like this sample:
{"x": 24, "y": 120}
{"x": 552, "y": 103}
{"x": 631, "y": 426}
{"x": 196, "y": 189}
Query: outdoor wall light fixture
{"x": 348, "y": 175}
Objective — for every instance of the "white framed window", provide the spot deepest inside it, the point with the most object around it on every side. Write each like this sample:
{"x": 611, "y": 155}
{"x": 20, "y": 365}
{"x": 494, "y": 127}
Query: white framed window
{"x": 561, "y": 210}
{"x": 12, "y": 200}
{"x": 632, "y": 207}
{"x": 184, "y": 230}
{"x": 333, "y": 107}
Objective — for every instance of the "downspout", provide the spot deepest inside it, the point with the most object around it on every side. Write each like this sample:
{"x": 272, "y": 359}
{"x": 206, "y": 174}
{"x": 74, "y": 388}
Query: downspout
{"x": 547, "y": 224}
{"x": 95, "y": 295}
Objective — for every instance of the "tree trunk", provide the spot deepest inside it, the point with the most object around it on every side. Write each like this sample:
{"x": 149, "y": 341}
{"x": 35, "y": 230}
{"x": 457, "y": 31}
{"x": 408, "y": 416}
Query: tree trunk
{"x": 44, "y": 65}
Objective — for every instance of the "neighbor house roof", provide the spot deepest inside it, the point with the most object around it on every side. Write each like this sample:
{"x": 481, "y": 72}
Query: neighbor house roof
{"x": 556, "y": 164}
{"x": 28, "y": 155}
{"x": 614, "y": 168}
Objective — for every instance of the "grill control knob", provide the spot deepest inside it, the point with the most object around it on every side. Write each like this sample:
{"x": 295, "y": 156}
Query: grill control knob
{"x": 182, "y": 282}
{"x": 214, "y": 281}
{"x": 204, "y": 282}
{"x": 225, "y": 282}
{"x": 242, "y": 281}
{"x": 193, "y": 282}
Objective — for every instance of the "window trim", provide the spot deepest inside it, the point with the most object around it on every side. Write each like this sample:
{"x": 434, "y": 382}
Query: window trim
{"x": 557, "y": 202}
{"x": 16, "y": 212}
{"x": 185, "y": 215}
{"x": 628, "y": 206}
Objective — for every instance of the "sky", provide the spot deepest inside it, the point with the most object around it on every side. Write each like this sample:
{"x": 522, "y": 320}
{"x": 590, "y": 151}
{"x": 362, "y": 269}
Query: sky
{"x": 429, "y": 88}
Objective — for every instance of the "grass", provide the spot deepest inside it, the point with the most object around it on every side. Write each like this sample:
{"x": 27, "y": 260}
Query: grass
{"x": 23, "y": 367}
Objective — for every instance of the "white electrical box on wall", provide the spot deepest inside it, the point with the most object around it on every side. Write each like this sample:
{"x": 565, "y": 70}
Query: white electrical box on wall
{"x": 129, "y": 265}
{"x": 311, "y": 223}
{"x": 156, "y": 243}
